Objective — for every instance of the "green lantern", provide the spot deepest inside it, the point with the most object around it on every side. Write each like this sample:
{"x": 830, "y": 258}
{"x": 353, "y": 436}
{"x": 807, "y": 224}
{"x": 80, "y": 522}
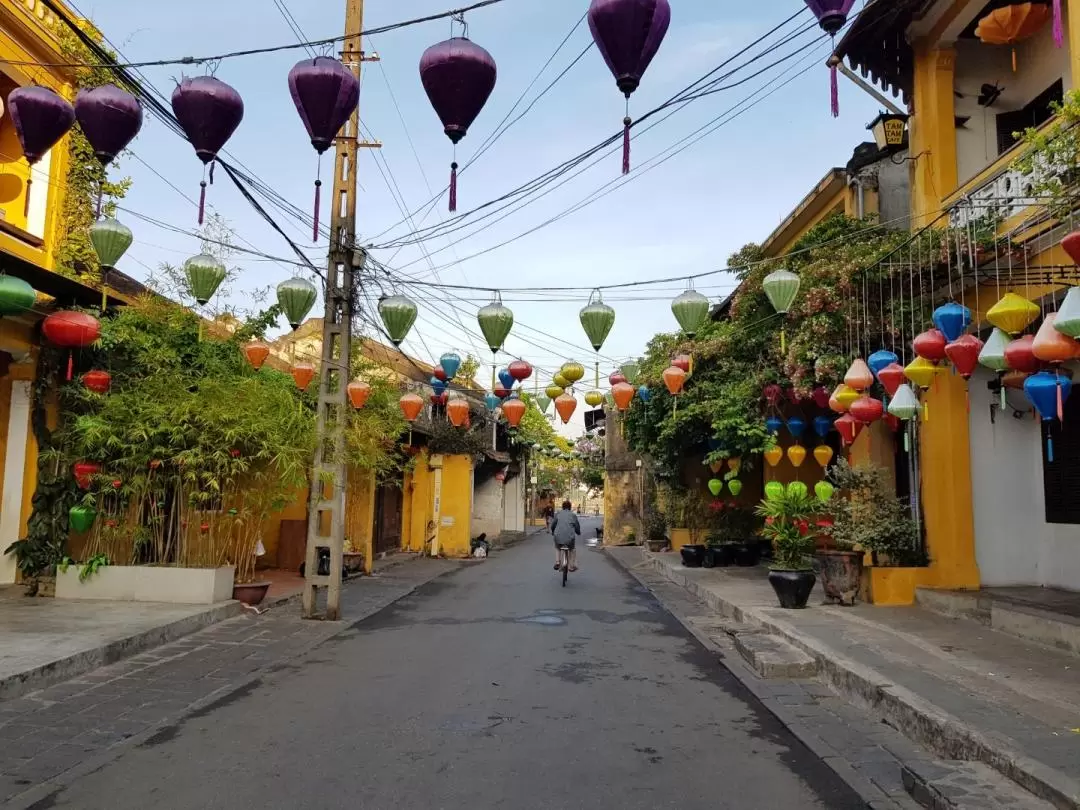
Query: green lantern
{"x": 781, "y": 287}
{"x": 495, "y": 321}
{"x": 630, "y": 370}
{"x": 690, "y": 308}
{"x": 716, "y": 486}
{"x": 597, "y": 318}
{"x": 797, "y": 489}
{"x": 543, "y": 401}
{"x": 398, "y": 315}
{"x": 81, "y": 518}
{"x": 774, "y": 490}
{"x": 824, "y": 491}
{"x": 204, "y": 274}
{"x": 735, "y": 485}
{"x": 296, "y": 297}
{"x": 111, "y": 239}
{"x": 560, "y": 380}
{"x": 16, "y": 296}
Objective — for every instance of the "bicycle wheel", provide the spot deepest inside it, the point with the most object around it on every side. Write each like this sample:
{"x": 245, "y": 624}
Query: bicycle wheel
{"x": 565, "y": 568}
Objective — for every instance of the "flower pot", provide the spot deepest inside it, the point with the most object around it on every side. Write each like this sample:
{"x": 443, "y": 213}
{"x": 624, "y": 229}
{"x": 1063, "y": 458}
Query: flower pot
{"x": 746, "y": 554}
{"x": 693, "y": 555}
{"x": 792, "y": 587}
{"x": 353, "y": 562}
{"x": 656, "y": 545}
{"x": 719, "y": 556}
{"x": 841, "y": 575}
{"x": 250, "y": 593}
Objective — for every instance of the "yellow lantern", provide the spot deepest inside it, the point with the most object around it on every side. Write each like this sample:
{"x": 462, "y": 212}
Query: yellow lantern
{"x": 572, "y": 371}
{"x": 823, "y": 455}
{"x": 796, "y": 455}
{"x": 773, "y": 455}
{"x": 734, "y": 464}
{"x": 846, "y": 395}
{"x": 594, "y": 398}
{"x": 921, "y": 372}
{"x": 1012, "y": 314}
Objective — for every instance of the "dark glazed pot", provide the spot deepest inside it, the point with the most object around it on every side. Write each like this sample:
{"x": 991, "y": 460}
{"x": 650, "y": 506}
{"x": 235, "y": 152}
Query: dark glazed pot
{"x": 250, "y": 593}
{"x": 747, "y": 554}
{"x": 693, "y": 555}
{"x": 841, "y": 576}
{"x": 792, "y": 587}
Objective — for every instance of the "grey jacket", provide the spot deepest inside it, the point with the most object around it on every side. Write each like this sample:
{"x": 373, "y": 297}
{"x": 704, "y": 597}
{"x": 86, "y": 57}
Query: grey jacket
{"x": 565, "y": 527}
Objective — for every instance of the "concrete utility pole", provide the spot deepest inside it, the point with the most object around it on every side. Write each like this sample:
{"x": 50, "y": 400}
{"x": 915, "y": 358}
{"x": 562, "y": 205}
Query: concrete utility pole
{"x": 326, "y": 510}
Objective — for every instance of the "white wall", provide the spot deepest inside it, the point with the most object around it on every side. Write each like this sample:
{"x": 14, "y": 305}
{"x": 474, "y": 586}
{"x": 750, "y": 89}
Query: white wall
{"x": 1039, "y": 64}
{"x": 1014, "y": 545}
{"x": 514, "y": 505}
{"x": 11, "y": 500}
{"x": 487, "y": 514}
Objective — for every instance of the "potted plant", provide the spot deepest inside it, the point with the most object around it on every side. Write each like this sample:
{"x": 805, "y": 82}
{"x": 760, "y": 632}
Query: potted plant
{"x": 788, "y": 515}
{"x": 733, "y": 539}
{"x": 695, "y": 512}
{"x": 655, "y": 528}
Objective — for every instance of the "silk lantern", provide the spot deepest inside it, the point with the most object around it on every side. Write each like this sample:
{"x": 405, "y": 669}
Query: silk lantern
{"x": 773, "y": 455}
{"x": 302, "y": 374}
{"x": 823, "y": 455}
{"x": 716, "y": 486}
{"x": 952, "y": 320}
{"x": 824, "y": 491}
{"x": 796, "y": 455}
{"x": 820, "y": 396}
{"x": 97, "y": 381}
{"x": 774, "y": 490}
{"x": 411, "y": 405}
{"x": 491, "y": 401}
{"x": 831, "y": 16}
{"x": 849, "y": 428}
{"x": 921, "y": 372}
{"x": 674, "y": 379}
{"x": 781, "y": 287}
{"x": 623, "y": 393}
{"x": 110, "y": 118}
{"x": 506, "y": 379}
{"x": 881, "y": 359}
{"x": 1068, "y": 315}
{"x": 1051, "y": 345}
{"x": 513, "y": 410}
{"x": 690, "y": 309}
{"x": 296, "y": 297}
{"x": 644, "y": 394}
{"x": 398, "y": 314}
{"x": 16, "y": 296}
{"x": 797, "y": 489}
{"x": 1046, "y": 392}
{"x": 858, "y": 376}
{"x": 594, "y": 398}
{"x": 204, "y": 275}
{"x": 71, "y": 330}
{"x": 495, "y": 320}
{"x": 796, "y": 426}
{"x": 565, "y": 405}
{"x": 930, "y": 345}
{"x": 1012, "y": 314}
{"x": 964, "y": 354}
{"x": 735, "y": 485}
{"x": 457, "y": 411}
{"x": 822, "y": 426}
{"x": 41, "y": 118}
{"x": 256, "y": 352}
{"x": 774, "y": 424}
{"x": 1010, "y": 24}
{"x": 1020, "y": 355}
{"x": 358, "y": 392}
{"x": 866, "y": 409}
{"x": 891, "y": 377}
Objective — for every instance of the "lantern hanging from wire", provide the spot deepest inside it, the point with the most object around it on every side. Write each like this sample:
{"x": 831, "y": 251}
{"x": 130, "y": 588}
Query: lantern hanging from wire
{"x": 849, "y": 428}
{"x": 572, "y": 371}
{"x": 623, "y": 394}
{"x": 781, "y": 287}
{"x": 858, "y": 376}
{"x": 491, "y": 401}
{"x": 71, "y": 330}
{"x": 674, "y": 379}
{"x": 628, "y": 33}
{"x": 520, "y": 370}
{"x": 904, "y": 406}
{"x": 597, "y": 319}
{"x": 209, "y": 111}
{"x": 823, "y": 425}
{"x": 41, "y": 118}
{"x": 594, "y": 398}
{"x": 616, "y": 377}
{"x": 952, "y": 320}
{"x": 735, "y": 485}
{"x": 110, "y": 239}
{"x": 505, "y": 378}
{"x": 1056, "y": 348}
{"x": 495, "y": 320}
{"x": 256, "y": 352}
{"x": 411, "y": 405}
{"x": 773, "y": 455}
{"x": 16, "y": 296}
{"x": 325, "y": 94}
{"x": 992, "y": 357}
{"x": 1046, "y": 392}
{"x": 1068, "y": 315}
{"x": 565, "y": 405}
{"x": 437, "y": 385}
{"x": 84, "y": 472}
{"x": 867, "y": 409}
{"x": 1020, "y": 355}
{"x": 296, "y": 297}
{"x": 204, "y": 275}
{"x": 683, "y": 361}
{"x": 644, "y": 394}
{"x": 501, "y": 391}
{"x": 690, "y": 309}
{"x": 831, "y": 16}
{"x": 513, "y": 410}
{"x": 457, "y": 411}
{"x": 964, "y": 354}
{"x": 796, "y": 455}
{"x": 450, "y": 362}
{"x": 398, "y": 314}
{"x": 458, "y": 77}
{"x": 554, "y": 390}
{"x": 796, "y": 426}
{"x": 302, "y": 374}
{"x": 823, "y": 455}
{"x": 773, "y": 425}
{"x": 881, "y": 359}
{"x": 543, "y": 401}
{"x": 1012, "y": 314}
{"x": 930, "y": 345}
{"x": 716, "y": 486}
{"x": 110, "y": 118}
{"x": 891, "y": 377}
{"x": 1011, "y": 24}
{"x": 439, "y": 374}
{"x": 820, "y": 396}
{"x": 97, "y": 381}
{"x": 921, "y": 372}
{"x": 838, "y": 405}
{"x": 631, "y": 370}
{"x": 358, "y": 392}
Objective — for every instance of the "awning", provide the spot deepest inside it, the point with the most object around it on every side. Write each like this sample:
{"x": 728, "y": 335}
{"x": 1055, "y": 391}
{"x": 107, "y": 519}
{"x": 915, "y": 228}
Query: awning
{"x": 875, "y": 45}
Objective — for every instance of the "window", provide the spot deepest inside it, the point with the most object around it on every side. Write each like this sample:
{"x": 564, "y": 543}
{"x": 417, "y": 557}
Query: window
{"x": 1061, "y": 477}
{"x": 1038, "y": 111}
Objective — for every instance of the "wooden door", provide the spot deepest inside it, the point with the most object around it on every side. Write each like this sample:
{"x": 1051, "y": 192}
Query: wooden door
{"x": 387, "y": 519}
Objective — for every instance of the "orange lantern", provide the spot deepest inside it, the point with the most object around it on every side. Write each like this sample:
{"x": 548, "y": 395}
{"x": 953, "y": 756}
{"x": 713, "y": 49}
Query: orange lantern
{"x": 302, "y": 374}
{"x": 411, "y": 405}
{"x": 823, "y": 454}
{"x": 1011, "y": 24}
{"x": 623, "y": 394}
{"x": 513, "y": 410}
{"x": 859, "y": 376}
{"x": 256, "y": 353}
{"x": 1050, "y": 345}
{"x": 358, "y": 393}
{"x": 674, "y": 379}
{"x": 457, "y": 411}
{"x": 773, "y": 455}
{"x": 716, "y": 466}
{"x": 565, "y": 405}
{"x": 796, "y": 455}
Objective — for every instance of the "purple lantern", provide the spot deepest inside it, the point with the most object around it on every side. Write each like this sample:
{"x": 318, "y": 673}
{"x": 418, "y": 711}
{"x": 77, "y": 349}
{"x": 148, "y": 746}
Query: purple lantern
{"x": 458, "y": 77}
{"x": 831, "y": 16}
{"x": 325, "y": 93}
{"x": 209, "y": 111}
{"x": 628, "y": 34}
{"x": 110, "y": 118}
{"x": 41, "y": 118}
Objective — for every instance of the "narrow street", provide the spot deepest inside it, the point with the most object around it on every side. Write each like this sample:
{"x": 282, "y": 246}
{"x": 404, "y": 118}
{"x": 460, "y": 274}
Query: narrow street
{"x": 490, "y": 687}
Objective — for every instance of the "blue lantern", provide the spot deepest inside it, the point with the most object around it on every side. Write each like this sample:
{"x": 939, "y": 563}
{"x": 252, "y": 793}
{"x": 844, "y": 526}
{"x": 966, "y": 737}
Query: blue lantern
{"x": 774, "y": 424}
{"x": 491, "y": 402}
{"x": 796, "y": 426}
{"x": 506, "y": 378}
{"x": 951, "y": 319}
{"x": 644, "y": 394}
{"x": 879, "y": 359}
{"x": 438, "y": 386}
{"x": 450, "y": 363}
{"x": 822, "y": 426}
{"x": 1047, "y": 392}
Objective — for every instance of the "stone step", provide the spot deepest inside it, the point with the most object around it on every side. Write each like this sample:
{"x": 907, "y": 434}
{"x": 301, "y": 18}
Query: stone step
{"x": 772, "y": 657}
{"x": 954, "y": 785}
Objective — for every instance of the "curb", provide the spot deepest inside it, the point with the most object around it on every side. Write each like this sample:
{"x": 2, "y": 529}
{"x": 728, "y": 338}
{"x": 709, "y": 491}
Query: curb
{"x": 41, "y": 795}
{"x": 74, "y": 665}
{"x": 914, "y": 716}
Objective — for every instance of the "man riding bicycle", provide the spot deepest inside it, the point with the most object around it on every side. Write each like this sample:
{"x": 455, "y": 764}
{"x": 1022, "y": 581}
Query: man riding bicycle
{"x": 565, "y": 529}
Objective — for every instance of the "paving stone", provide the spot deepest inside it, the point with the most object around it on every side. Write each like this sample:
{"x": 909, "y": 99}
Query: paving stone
{"x": 773, "y": 658}
{"x": 946, "y": 785}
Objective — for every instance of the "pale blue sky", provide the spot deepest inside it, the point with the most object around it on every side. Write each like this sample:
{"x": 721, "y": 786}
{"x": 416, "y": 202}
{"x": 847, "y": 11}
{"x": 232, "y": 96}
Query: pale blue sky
{"x": 684, "y": 217}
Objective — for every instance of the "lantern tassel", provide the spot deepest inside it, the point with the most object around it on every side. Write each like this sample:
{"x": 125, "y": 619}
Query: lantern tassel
{"x": 71, "y": 364}
{"x": 453, "y": 187}
{"x": 1060, "y": 404}
{"x": 318, "y": 200}
{"x": 202, "y": 200}
{"x": 834, "y": 92}
{"x": 104, "y": 300}
{"x": 1059, "y": 31}
{"x": 26, "y": 202}
{"x": 626, "y": 145}
{"x": 907, "y": 441}
{"x": 1049, "y": 448}
{"x": 783, "y": 340}
{"x": 1003, "y": 396}
{"x": 1014, "y": 59}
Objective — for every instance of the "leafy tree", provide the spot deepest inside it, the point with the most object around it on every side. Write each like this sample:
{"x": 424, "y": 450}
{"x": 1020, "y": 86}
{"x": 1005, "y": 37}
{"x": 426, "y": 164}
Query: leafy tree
{"x": 470, "y": 366}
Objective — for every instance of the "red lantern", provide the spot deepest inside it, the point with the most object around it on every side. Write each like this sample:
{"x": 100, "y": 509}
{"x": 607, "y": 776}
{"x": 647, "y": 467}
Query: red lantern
{"x": 848, "y": 427}
{"x": 930, "y": 345}
{"x": 438, "y": 373}
{"x": 358, "y": 393}
{"x": 1071, "y": 244}
{"x": 71, "y": 330}
{"x": 501, "y": 391}
{"x": 623, "y": 394}
{"x": 820, "y": 395}
{"x": 682, "y": 361}
{"x": 440, "y": 400}
{"x": 1019, "y": 355}
{"x": 891, "y": 377}
{"x": 866, "y": 409}
{"x": 97, "y": 381}
{"x": 411, "y": 405}
{"x": 84, "y": 470}
{"x": 235, "y": 453}
{"x": 616, "y": 377}
{"x": 964, "y": 354}
{"x": 792, "y": 395}
{"x": 513, "y": 410}
{"x": 302, "y": 374}
{"x": 772, "y": 393}
{"x": 674, "y": 379}
{"x": 256, "y": 353}
{"x": 457, "y": 411}
{"x": 520, "y": 370}
{"x": 117, "y": 483}
{"x": 716, "y": 505}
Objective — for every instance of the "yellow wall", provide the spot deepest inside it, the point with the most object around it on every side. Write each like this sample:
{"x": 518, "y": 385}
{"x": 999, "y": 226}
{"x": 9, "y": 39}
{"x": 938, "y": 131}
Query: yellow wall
{"x": 452, "y": 478}
{"x": 360, "y": 514}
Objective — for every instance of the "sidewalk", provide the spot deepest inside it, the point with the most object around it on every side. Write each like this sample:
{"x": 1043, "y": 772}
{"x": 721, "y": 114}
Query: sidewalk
{"x": 51, "y": 737}
{"x": 965, "y": 691}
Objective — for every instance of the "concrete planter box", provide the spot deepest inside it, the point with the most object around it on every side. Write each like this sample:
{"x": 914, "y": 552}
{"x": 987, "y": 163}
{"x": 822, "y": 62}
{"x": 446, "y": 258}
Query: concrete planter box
{"x": 892, "y": 586}
{"x": 142, "y": 583}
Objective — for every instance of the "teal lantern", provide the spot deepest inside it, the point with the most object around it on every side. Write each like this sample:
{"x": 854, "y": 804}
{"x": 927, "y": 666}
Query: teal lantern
{"x": 204, "y": 274}
{"x": 398, "y": 315}
{"x": 296, "y": 297}
{"x": 597, "y": 318}
{"x": 690, "y": 308}
{"x": 542, "y": 402}
{"x": 781, "y": 287}
{"x": 495, "y": 321}
{"x": 16, "y": 296}
{"x": 111, "y": 239}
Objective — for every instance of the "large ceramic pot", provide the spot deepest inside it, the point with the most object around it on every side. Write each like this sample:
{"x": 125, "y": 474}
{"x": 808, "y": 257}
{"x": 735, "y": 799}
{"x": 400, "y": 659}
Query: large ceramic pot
{"x": 746, "y": 554}
{"x": 719, "y": 556}
{"x": 841, "y": 575}
{"x": 792, "y": 587}
{"x": 693, "y": 555}
{"x": 250, "y": 593}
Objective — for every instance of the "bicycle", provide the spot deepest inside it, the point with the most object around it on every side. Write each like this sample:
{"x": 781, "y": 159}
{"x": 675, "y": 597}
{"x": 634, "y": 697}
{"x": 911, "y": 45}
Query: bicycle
{"x": 564, "y": 562}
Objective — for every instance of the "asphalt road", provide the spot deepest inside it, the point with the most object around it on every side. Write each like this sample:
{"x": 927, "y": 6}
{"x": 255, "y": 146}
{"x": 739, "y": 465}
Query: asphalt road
{"x": 492, "y": 687}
